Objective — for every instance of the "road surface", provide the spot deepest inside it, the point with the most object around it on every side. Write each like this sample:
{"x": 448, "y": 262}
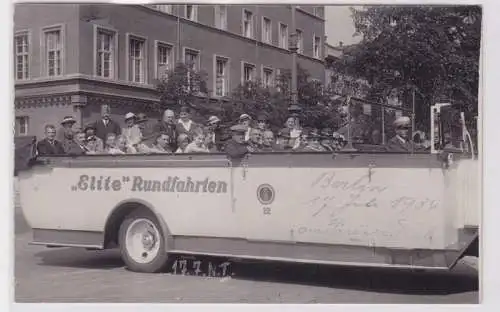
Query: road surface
{"x": 75, "y": 275}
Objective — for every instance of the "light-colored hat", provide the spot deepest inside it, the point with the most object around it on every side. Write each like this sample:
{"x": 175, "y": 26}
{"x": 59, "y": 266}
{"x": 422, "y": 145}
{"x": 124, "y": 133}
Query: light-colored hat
{"x": 245, "y": 117}
{"x": 130, "y": 115}
{"x": 168, "y": 112}
{"x": 213, "y": 119}
{"x": 402, "y": 122}
{"x": 239, "y": 129}
{"x": 68, "y": 119}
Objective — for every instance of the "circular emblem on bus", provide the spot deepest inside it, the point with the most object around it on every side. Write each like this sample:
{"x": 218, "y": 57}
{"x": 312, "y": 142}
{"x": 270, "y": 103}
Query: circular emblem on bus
{"x": 265, "y": 194}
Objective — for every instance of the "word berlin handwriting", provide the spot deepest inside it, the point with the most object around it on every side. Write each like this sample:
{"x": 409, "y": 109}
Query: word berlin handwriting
{"x": 139, "y": 184}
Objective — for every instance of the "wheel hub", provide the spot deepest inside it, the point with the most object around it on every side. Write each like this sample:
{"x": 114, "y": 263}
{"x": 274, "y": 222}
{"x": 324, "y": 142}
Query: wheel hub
{"x": 148, "y": 240}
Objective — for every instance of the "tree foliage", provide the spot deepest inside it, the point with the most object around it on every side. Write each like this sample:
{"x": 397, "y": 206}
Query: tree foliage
{"x": 253, "y": 98}
{"x": 433, "y": 50}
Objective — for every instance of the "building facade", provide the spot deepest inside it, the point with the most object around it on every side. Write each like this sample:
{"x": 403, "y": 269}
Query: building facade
{"x": 72, "y": 58}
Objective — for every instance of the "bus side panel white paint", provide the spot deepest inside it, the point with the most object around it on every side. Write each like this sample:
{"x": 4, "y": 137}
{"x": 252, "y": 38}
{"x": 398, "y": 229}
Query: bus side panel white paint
{"x": 398, "y": 207}
{"x": 50, "y": 203}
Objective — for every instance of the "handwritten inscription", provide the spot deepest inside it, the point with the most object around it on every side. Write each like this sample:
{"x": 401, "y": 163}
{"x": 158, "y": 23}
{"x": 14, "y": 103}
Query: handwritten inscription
{"x": 140, "y": 184}
{"x": 341, "y": 204}
{"x": 201, "y": 268}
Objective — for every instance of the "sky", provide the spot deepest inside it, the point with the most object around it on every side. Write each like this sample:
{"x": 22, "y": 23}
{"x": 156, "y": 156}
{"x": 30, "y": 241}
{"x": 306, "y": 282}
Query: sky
{"x": 339, "y": 26}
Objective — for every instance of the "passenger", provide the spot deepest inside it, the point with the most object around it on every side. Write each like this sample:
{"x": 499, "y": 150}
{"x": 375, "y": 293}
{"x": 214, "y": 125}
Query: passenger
{"x": 161, "y": 144}
{"x": 245, "y": 121}
{"x": 214, "y": 134}
{"x": 185, "y": 124}
{"x": 65, "y": 134}
{"x": 78, "y": 145}
{"x": 338, "y": 141}
{"x": 182, "y": 143}
{"x": 146, "y": 127}
{"x": 262, "y": 123}
{"x": 314, "y": 144}
{"x": 292, "y": 124}
{"x": 49, "y": 145}
{"x": 236, "y": 146}
{"x": 198, "y": 144}
{"x": 283, "y": 141}
{"x": 400, "y": 142}
{"x": 132, "y": 132}
{"x": 94, "y": 144}
{"x": 111, "y": 145}
{"x": 302, "y": 141}
{"x": 106, "y": 124}
{"x": 255, "y": 142}
{"x": 167, "y": 125}
{"x": 268, "y": 144}
{"x": 376, "y": 137}
{"x": 326, "y": 140}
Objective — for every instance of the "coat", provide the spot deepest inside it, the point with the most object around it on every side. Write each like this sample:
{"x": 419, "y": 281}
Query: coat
{"x": 44, "y": 147}
{"x": 179, "y": 128}
{"x": 75, "y": 149}
{"x": 170, "y": 129}
{"x": 235, "y": 149}
{"x": 397, "y": 145}
{"x": 132, "y": 134}
{"x": 101, "y": 131}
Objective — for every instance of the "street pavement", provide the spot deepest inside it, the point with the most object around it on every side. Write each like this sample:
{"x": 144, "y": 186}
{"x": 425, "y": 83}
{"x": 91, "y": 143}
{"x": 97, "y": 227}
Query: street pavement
{"x": 77, "y": 275}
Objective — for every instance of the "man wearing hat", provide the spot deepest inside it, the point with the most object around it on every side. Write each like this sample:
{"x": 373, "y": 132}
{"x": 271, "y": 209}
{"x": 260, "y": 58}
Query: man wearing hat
{"x": 94, "y": 144}
{"x": 65, "y": 134}
{"x": 236, "y": 146}
{"x": 401, "y": 141}
{"x": 167, "y": 125}
{"x": 214, "y": 134}
{"x": 106, "y": 125}
{"x": 147, "y": 130}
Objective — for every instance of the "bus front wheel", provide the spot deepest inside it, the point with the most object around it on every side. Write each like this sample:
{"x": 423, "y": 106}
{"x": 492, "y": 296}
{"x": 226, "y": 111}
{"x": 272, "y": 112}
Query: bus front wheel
{"x": 142, "y": 243}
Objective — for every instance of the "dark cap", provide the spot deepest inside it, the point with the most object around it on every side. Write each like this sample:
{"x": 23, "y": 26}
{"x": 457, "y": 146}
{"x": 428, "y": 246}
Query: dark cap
{"x": 238, "y": 129}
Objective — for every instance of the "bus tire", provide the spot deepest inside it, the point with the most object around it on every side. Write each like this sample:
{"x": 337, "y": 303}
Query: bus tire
{"x": 142, "y": 243}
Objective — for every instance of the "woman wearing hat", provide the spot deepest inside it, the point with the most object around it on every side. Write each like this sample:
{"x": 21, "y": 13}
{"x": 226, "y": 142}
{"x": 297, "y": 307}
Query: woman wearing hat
{"x": 65, "y": 134}
{"x": 213, "y": 134}
{"x": 131, "y": 131}
{"x": 314, "y": 144}
{"x": 401, "y": 141}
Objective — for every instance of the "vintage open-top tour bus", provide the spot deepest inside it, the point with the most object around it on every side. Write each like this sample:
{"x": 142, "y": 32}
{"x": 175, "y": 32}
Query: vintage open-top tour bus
{"x": 359, "y": 208}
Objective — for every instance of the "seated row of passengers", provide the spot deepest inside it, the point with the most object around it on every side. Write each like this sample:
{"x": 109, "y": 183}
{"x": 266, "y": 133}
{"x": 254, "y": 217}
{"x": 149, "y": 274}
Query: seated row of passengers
{"x": 182, "y": 135}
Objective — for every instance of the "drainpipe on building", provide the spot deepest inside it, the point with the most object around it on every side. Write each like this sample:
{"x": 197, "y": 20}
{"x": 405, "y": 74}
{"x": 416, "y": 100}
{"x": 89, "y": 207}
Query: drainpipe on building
{"x": 178, "y": 35}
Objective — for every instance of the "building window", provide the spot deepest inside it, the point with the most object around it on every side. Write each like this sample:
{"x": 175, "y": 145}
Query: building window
{"x": 192, "y": 61}
{"x": 105, "y": 49}
{"x": 164, "y": 60}
{"x": 266, "y": 30}
{"x": 166, "y": 8}
{"x": 221, "y": 76}
{"x": 137, "y": 61}
{"x": 192, "y": 12}
{"x": 22, "y": 125}
{"x": 247, "y": 24}
{"x": 317, "y": 47}
{"x": 283, "y": 36}
{"x": 267, "y": 77}
{"x": 300, "y": 41}
{"x": 53, "y": 52}
{"x": 221, "y": 17}
{"x": 248, "y": 72}
{"x": 22, "y": 56}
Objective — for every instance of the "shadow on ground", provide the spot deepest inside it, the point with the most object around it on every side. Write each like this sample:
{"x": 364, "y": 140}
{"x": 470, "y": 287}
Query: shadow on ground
{"x": 464, "y": 279}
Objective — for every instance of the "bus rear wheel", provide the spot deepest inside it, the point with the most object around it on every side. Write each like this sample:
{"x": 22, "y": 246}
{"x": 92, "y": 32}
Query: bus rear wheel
{"x": 142, "y": 243}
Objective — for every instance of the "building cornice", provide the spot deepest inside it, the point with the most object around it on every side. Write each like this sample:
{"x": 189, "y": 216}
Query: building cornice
{"x": 310, "y": 14}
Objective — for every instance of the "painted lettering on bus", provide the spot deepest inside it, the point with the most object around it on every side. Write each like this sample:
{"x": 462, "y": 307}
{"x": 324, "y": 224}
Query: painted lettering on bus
{"x": 140, "y": 184}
